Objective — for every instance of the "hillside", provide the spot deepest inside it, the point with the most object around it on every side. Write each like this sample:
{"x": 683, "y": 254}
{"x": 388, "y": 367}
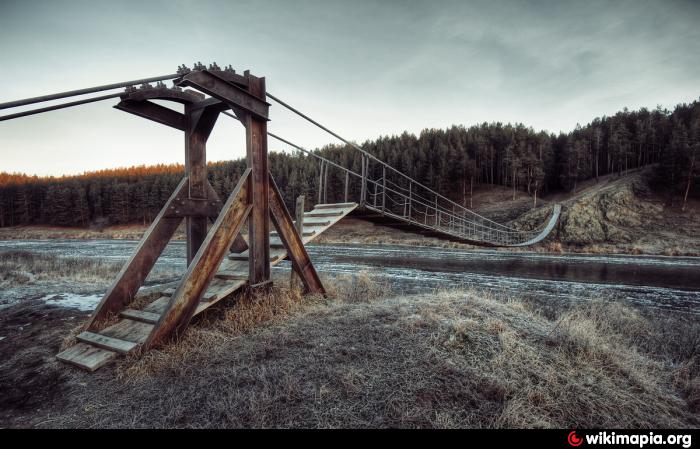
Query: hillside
{"x": 620, "y": 215}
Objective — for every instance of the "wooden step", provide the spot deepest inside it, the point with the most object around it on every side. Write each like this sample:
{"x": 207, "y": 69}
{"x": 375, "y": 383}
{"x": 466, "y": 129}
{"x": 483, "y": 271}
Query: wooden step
{"x": 86, "y": 356}
{"x": 129, "y": 330}
{"x": 141, "y": 315}
{"x": 105, "y": 342}
{"x": 335, "y": 205}
{"x": 323, "y": 213}
{"x": 311, "y": 223}
{"x": 229, "y": 275}
{"x": 306, "y": 233}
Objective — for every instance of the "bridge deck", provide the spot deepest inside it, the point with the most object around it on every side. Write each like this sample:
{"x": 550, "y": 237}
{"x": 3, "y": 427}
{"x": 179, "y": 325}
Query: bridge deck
{"x": 389, "y": 218}
{"x": 94, "y": 350}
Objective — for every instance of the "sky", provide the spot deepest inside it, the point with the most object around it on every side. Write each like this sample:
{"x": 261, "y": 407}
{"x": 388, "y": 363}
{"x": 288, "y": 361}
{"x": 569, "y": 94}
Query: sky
{"x": 362, "y": 68}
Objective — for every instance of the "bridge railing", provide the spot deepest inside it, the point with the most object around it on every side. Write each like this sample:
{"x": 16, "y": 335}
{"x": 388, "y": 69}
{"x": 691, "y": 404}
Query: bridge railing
{"x": 407, "y": 200}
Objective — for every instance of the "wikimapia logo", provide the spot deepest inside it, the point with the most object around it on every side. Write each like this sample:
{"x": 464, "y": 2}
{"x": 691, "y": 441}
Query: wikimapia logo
{"x": 628, "y": 439}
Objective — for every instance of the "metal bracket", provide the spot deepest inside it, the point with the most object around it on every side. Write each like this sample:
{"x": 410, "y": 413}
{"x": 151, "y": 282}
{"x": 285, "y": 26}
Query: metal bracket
{"x": 193, "y": 207}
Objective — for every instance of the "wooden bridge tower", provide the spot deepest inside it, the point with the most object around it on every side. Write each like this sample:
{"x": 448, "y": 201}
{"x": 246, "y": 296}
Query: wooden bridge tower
{"x": 255, "y": 198}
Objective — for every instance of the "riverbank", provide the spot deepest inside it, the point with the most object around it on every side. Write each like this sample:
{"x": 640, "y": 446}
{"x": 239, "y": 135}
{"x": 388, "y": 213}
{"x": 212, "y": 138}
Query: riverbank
{"x": 365, "y": 358}
{"x": 614, "y": 216}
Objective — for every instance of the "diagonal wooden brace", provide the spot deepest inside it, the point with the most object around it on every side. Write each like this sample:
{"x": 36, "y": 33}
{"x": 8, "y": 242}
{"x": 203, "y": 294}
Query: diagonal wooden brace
{"x": 136, "y": 269}
{"x": 291, "y": 239}
{"x": 204, "y": 266}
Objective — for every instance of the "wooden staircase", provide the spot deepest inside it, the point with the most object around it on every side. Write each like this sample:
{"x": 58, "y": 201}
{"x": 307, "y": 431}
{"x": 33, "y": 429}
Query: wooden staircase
{"x": 95, "y": 349}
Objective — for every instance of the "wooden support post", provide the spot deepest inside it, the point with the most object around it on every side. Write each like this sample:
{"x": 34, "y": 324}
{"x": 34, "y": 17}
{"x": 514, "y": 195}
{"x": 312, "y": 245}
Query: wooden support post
{"x": 203, "y": 268}
{"x": 200, "y": 123}
{"x": 347, "y": 185}
{"x": 259, "y": 221}
{"x": 136, "y": 269}
{"x": 299, "y": 225}
{"x": 292, "y": 241}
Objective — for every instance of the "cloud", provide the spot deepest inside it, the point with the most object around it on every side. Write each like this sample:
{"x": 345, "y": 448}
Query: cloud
{"x": 364, "y": 67}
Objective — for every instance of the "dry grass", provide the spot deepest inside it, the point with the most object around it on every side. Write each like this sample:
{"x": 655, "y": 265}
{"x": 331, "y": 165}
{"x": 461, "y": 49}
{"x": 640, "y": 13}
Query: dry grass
{"x": 452, "y": 359}
{"x": 26, "y": 267}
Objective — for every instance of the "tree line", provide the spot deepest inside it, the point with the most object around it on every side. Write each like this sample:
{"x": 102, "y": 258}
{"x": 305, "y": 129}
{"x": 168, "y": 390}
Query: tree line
{"x": 452, "y": 161}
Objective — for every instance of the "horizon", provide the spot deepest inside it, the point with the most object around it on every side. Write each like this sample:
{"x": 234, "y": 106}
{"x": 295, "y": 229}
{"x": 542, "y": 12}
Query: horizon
{"x": 406, "y": 66}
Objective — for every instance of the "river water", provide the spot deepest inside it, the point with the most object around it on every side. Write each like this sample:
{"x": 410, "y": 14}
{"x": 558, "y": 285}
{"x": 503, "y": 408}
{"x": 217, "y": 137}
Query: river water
{"x": 648, "y": 281}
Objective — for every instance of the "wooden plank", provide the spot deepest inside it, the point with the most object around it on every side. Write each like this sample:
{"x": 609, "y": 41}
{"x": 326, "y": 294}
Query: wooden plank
{"x": 335, "y": 206}
{"x": 229, "y": 275}
{"x": 158, "y": 306}
{"x": 86, "y": 356}
{"x": 129, "y": 330}
{"x": 194, "y": 207}
{"x": 134, "y": 272}
{"x": 105, "y": 342}
{"x": 140, "y": 315}
{"x": 205, "y": 264}
{"x": 315, "y": 222}
{"x": 155, "y": 112}
{"x": 306, "y": 233}
{"x": 293, "y": 241}
{"x": 324, "y": 213}
{"x": 154, "y": 291}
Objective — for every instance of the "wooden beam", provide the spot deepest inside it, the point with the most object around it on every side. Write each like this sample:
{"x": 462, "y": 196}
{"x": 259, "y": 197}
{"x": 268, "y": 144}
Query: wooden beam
{"x": 199, "y": 126}
{"x": 194, "y": 207}
{"x": 299, "y": 225}
{"x": 292, "y": 241}
{"x": 203, "y": 268}
{"x": 136, "y": 269}
{"x": 217, "y": 87}
{"x": 259, "y": 221}
{"x": 152, "y": 111}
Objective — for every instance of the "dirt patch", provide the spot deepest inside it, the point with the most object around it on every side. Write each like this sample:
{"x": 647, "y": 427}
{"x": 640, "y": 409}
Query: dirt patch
{"x": 32, "y": 383}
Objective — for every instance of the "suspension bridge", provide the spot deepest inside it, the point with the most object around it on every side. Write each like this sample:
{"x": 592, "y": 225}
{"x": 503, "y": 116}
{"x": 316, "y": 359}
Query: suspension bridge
{"x": 132, "y": 317}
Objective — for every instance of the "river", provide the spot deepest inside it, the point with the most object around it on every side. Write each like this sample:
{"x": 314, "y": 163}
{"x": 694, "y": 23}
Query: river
{"x": 647, "y": 281}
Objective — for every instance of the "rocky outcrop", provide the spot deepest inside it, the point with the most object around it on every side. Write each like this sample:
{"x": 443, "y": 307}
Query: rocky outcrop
{"x": 612, "y": 213}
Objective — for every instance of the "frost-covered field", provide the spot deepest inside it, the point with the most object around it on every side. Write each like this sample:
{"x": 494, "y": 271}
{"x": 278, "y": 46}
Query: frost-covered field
{"x": 649, "y": 281}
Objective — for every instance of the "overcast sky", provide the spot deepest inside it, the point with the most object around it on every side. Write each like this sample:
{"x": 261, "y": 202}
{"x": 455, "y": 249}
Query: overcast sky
{"x": 363, "y": 68}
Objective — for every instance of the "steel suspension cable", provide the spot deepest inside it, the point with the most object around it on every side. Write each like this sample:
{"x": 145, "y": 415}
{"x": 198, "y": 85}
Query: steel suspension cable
{"x": 89, "y": 90}
{"x": 371, "y": 156}
{"x": 58, "y": 106}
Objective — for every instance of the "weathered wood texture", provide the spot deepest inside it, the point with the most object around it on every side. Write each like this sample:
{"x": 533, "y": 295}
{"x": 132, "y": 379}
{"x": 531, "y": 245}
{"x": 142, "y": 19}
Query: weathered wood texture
{"x": 259, "y": 222}
{"x": 293, "y": 242}
{"x": 200, "y": 123}
{"x": 231, "y": 276}
{"x": 204, "y": 265}
{"x": 154, "y": 112}
{"x": 299, "y": 225}
{"x": 136, "y": 269}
